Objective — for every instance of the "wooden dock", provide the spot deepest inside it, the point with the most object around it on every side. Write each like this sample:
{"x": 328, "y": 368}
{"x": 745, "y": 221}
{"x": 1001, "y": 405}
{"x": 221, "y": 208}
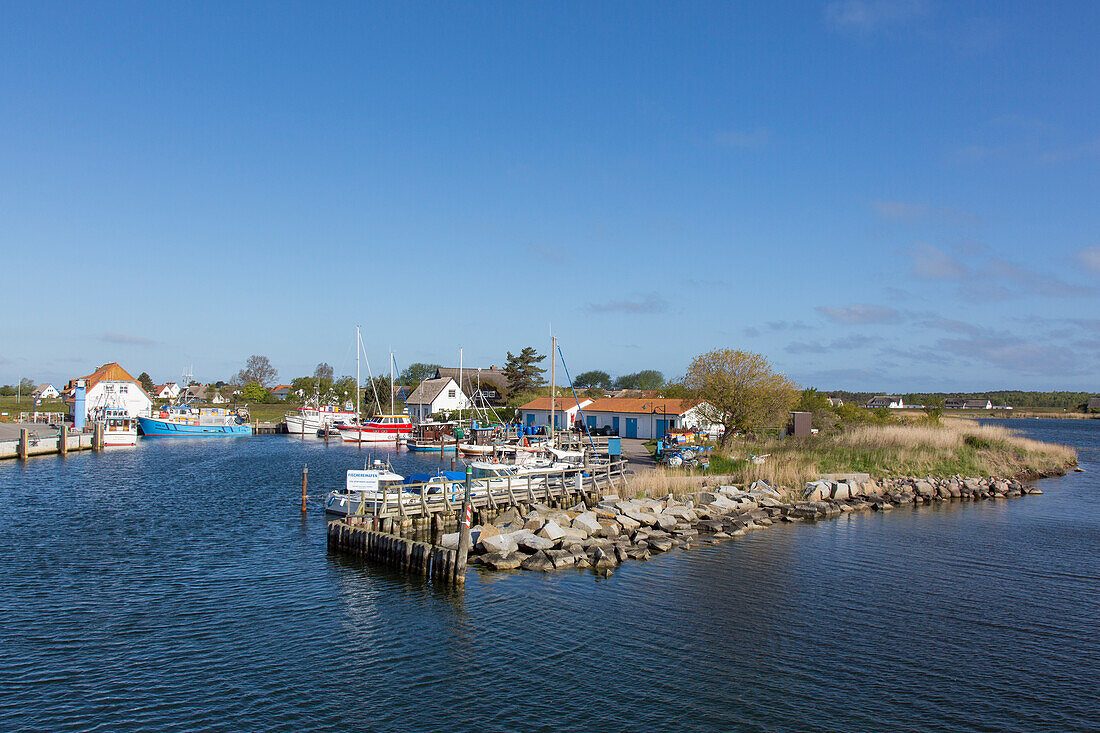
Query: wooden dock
{"x": 30, "y": 444}
{"x": 384, "y": 531}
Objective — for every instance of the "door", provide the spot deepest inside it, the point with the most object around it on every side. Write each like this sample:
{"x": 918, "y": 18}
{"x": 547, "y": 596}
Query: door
{"x": 615, "y": 424}
{"x": 632, "y": 427}
{"x": 662, "y": 428}
{"x": 530, "y": 419}
{"x": 591, "y": 419}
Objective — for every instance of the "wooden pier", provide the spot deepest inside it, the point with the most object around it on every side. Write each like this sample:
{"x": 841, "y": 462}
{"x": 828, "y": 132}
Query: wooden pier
{"x": 31, "y": 444}
{"x": 384, "y": 530}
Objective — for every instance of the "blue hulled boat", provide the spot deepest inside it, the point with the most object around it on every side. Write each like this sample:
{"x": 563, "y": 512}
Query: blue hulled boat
{"x": 185, "y": 422}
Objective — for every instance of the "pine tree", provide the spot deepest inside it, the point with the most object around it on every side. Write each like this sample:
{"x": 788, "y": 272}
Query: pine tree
{"x": 523, "y": 372}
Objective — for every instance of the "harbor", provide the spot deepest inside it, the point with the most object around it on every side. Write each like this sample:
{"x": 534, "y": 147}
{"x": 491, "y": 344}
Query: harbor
{"x": 198, "y": 549}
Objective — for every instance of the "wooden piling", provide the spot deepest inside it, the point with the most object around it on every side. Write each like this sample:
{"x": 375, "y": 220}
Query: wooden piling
{"x": 97, "y": 437}
{"x": 305, "y": 480}
{"x": 24, "y": 438}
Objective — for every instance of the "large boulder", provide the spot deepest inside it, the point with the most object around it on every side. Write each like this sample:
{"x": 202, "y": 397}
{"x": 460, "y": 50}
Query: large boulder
{"x": 667, "y": 522}
{"x": 551, "y": 531}
{"x": 681, "y": 511}
{"x": 816, "y": 491}
{"x": 659, "y": 544}
{"x": 531, "y": 542}
{"x": 642, "y": 517}
{"x": 497, "y": 561}
{"x": 924, "y": 488}
{"x": 502, "y": 544}
{"x": 561, "y": 558}
{"x": 487, "y": 530}
{"x": 841, "y": 491}
{"x": 627, "y": 523}
{"x": 602, "y": 558}
{"x": 587, "y": 523}
{"x": 538, "y": 561}
{"x": 609, "y": 529}
{"x": 573, "y": 533}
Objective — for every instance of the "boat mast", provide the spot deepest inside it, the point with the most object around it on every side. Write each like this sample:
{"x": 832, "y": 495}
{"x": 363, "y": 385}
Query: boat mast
{"x": 460, "y": 384}
{"x": 358, "y": 342}
{"x": 553, "y": 348}
{"x": 391, "y": 381}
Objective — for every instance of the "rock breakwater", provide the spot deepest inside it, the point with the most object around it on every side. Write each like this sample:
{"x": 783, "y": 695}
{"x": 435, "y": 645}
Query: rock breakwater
{"x": 541, "y": 538}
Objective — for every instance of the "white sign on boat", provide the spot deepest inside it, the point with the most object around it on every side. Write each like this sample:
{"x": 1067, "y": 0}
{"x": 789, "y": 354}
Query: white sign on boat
{"x": 363, "y": 480}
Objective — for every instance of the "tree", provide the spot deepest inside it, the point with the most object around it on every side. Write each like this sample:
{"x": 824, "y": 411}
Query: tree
{"x": 324, "y": 371}
{"x": 933, "y": 410}
{"x": 523, "y": 372}
{"x": 7, "y": 391}
{"x": 648, "y": 379}
{"x": 741, "y": 390}
{"x": 257, "y": 369}
{"x": 253, "y": 392}
{"x": 147, "y": 383}
{"x": 26, "y": 386}
{"x": 343, "y": 390}
{"x": 417, "y": 372}
{"x": 381, "y": 386}
{"x": 594, "y": 378}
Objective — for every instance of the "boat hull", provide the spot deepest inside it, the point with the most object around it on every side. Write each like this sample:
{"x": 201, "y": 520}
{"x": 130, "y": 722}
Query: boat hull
{"x": 120, "y": 437}
{"x": 152, "y": 427}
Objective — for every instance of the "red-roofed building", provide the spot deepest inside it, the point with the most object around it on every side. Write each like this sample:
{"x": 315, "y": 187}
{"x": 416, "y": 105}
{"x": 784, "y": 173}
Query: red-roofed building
{"x": 111, "y": 386}
{"x": 282, "y": 391}
{"x": 630, "y": 417}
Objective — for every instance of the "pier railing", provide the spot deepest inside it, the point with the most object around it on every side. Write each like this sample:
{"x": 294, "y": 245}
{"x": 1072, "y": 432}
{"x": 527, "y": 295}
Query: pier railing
{"x": 547, "y": 486}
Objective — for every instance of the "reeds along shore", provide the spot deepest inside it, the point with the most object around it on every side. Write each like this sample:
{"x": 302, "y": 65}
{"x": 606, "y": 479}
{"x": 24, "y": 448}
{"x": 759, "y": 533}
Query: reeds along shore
{"x": 954, "y": 448}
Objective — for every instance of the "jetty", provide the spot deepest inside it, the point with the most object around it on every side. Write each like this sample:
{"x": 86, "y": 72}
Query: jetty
{"x": 29, "y": 442}
{"x": 391, "y": 531}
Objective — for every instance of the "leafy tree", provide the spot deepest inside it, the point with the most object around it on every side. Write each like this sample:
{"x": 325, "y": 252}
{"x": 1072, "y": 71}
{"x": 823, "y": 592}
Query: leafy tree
{"x": 7, "y": 391}
{"x": 253, "y": 392}
{"x": 417, "y": 372}
{"x": 741, "y": 390}
{"x": 381, "y": 386}
{"x": 648, "y": 379}
{"x": 324, "y": 371}
{"x": 147, "y": 382}
{"x": 257, "y": 369}
{"x": 26, "y": 385}
{"x": 933, "y": 410}
{"x": 594, "y": 378}
{"x": 523, "y": 372}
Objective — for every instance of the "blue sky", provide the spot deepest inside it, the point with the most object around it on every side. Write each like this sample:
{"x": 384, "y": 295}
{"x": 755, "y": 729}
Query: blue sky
{"x": 877, "y": 194}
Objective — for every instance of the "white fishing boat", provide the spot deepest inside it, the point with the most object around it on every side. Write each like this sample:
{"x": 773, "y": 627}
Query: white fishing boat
{"x": 309, "y": 420}
{"x": 118, "y": 427}
{"x": 364, "y": 491}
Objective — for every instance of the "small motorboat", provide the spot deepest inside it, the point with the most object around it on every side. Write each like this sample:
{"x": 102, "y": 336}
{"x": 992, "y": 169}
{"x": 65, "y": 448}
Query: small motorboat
{"x": 364, "y": 491}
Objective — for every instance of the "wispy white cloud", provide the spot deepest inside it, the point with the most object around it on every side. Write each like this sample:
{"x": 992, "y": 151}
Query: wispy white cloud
{"x": 1089, "y": 258}
{"x": 818, "y": 347}
{"x": 758, "y": 138}
{"x": 1090, "y": 149}
{"x": 920, "y": 213}
{"x": 648, "y": 303}
{"x": 860, "y": 313}
{"x": 868, "y": 16}
{"x": 932, "y": 263}
{"x": 125, "y": 338}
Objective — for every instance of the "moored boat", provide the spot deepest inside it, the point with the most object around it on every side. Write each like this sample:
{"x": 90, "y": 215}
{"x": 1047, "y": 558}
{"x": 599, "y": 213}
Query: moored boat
{"x": 309, "y": 420}
{"x": 364, "y": 491}
{"x": 118, "y": 427}
{"x": 379, "y": 429}
{"x": 187, "y": 422}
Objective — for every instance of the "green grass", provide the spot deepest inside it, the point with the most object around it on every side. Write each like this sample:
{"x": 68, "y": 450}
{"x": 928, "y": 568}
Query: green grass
{"x": 14, "y": 406}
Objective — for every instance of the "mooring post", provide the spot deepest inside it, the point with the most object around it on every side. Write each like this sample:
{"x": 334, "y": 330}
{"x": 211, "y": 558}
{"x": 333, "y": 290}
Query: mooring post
{"x": 305, "y": 480}
{"x": 97, "y": 437}
{"x": 24, "y": 437}
{"x": 464, "y": 532}
{"x": 63, "y": 439}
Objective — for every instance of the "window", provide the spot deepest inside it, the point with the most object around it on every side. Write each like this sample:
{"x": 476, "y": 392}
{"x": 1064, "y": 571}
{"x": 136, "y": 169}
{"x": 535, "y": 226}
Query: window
{"x": 123, "y": 388}
{"x": 110, "y": 388}
{"x": 451, "y": 393}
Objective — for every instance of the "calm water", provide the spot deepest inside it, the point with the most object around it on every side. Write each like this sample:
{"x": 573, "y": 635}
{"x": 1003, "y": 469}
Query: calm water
{"x": 175, "y": 587}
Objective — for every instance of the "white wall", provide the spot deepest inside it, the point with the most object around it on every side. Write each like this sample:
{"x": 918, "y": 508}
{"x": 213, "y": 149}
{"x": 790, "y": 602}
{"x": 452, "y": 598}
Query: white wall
{"x": 124, "y": 394}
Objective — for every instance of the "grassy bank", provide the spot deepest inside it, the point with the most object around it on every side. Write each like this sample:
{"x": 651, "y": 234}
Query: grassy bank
{"x": 885, "y": 451}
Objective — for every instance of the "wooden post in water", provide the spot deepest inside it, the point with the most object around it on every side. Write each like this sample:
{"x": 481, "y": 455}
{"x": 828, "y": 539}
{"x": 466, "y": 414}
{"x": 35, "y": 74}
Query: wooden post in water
{"x": 463, "y": 534}
{"x": 24, "y": 437}
{"x": 305, "y": 480}
{"x": 97, "y": 437}
{"x": 63, "y": 439}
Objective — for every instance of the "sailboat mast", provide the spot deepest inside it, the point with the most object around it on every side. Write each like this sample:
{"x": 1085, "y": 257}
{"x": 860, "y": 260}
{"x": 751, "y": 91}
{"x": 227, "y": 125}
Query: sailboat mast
{"x": 460, "y": 384}
{"x": 358, "y": 345}
{"x": 391, "y": 381}
{"x": 553, "y": 348}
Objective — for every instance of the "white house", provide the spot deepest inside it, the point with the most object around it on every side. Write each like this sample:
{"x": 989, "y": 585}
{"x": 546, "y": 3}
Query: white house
{"x": 892, "y": 402}
{"x": 536, "y": 413}
{"x": 169, "y": 391}
{"x": 962, "y": 403}
{"x": 45, "y": 392}
{"x": 281, "y": 391}
{"x": 112, "y": 386}
{"x": 645, "y": 418}
{"x": 202, "y": 393}
{"x": 435, "y": 395}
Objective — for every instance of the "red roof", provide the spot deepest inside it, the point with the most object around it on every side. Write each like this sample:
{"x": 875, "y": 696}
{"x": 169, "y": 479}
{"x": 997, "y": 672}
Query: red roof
{"x": 561, "y": 403}
{"x": 643, "y": 405}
